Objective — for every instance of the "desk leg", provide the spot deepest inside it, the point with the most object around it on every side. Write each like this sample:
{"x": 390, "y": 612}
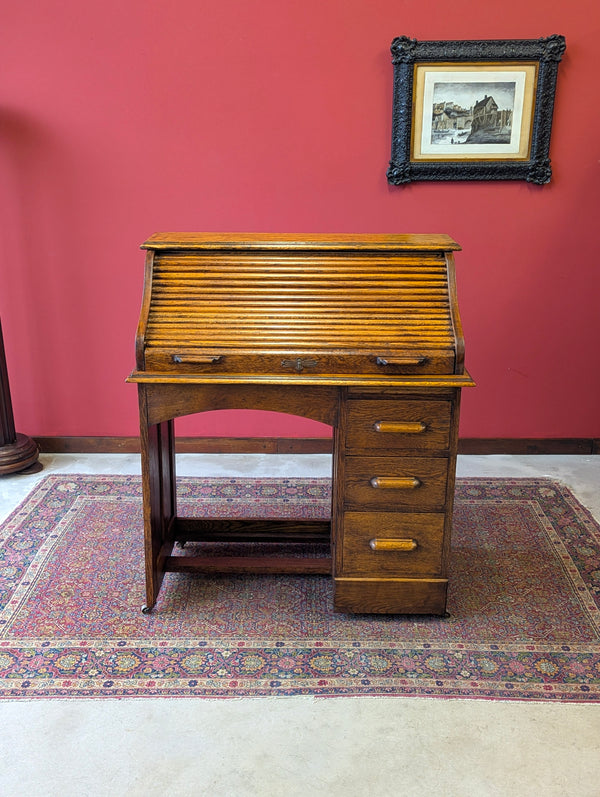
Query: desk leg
{"x": 159, "y": 496}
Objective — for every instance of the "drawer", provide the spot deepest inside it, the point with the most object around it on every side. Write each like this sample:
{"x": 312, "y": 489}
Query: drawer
{"x": 395, "y": 482}
{"x": 384, "y": 544}
{"x": 390, "y": 595}
{"x": 396, "y": 425}
{"x": 290, "y": 363}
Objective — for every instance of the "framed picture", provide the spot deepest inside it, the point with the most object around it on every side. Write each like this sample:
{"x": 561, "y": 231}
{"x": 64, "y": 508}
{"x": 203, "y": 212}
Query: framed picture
{"x": 473, "y": 110}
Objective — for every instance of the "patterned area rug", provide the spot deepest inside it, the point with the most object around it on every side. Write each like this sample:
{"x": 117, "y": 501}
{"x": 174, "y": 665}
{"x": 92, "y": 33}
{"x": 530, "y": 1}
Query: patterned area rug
{"x": 524, "y": 602}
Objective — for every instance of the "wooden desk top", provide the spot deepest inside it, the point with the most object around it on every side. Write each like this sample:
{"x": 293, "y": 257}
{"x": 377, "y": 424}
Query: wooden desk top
{"x": 298, "y": 241}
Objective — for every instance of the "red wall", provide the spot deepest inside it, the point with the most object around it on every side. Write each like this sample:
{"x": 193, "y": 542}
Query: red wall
{"x": 118, "y": 119}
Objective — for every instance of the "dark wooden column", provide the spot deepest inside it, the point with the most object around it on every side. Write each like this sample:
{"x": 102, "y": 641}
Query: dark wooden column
{"x": 17, "y": 451}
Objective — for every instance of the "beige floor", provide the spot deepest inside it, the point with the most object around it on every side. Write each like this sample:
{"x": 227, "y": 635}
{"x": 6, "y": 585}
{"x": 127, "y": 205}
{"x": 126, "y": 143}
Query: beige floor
{"x": 300, "y": 746}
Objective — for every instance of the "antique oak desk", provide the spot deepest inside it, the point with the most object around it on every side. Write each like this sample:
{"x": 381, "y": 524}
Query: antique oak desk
{"x": 361, "y": 332}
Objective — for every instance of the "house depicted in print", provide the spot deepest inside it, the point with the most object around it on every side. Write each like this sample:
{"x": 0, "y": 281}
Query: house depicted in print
{"x": 487, "y": 116}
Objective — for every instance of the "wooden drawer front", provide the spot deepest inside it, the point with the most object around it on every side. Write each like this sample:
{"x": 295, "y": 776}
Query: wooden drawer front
{"x": 392, "y": 544}
{"x": 391, "y": 595}
{"x": 395, "y": 482}
{"x": 223, "y": 360}
{"x": 396, "y": 425}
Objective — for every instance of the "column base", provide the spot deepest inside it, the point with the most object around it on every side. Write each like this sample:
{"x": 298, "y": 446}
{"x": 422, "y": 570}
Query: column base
{"x": 19, "y": 456}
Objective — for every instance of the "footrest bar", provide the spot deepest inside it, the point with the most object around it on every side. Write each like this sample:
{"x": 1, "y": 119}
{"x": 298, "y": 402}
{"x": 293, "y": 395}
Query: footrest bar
{"x": 249, "y": 564}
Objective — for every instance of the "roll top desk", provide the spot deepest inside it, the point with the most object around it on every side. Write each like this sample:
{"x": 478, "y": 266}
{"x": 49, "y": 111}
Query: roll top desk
{"x": 361, "y": 332}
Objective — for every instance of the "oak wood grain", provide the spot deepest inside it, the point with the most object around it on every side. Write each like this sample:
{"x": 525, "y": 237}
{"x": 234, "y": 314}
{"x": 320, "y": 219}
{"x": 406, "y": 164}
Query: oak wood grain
{"x": 361, "y": 332}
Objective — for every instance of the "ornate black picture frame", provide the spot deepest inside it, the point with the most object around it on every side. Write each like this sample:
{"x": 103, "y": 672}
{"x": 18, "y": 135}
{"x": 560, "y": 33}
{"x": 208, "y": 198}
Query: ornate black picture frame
{"x": 473, "y": 110}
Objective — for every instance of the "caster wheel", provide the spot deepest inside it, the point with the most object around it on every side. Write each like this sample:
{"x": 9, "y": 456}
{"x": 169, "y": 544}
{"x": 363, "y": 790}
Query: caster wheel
{"x": 146, "y": 609}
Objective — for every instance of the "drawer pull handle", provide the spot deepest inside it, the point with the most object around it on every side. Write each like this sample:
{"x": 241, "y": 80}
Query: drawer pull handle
{"x": 299, "y": 364}
{"x": 392, "y": 544}
{"x": 195, "y": 359}
{"x": 418, "y": 359}
{"x": 397, "y": 427}
{"x": 389, "y": 483}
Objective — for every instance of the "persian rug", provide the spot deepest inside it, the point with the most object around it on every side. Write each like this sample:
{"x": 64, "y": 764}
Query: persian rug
{"x": 524, "y": 602}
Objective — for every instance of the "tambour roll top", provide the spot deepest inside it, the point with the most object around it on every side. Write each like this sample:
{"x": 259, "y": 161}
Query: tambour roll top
{"x": 321, "y": 306}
